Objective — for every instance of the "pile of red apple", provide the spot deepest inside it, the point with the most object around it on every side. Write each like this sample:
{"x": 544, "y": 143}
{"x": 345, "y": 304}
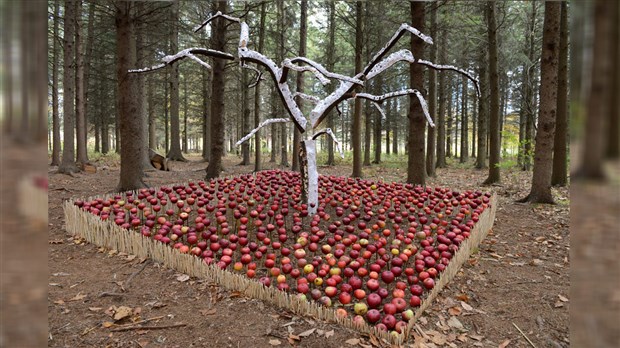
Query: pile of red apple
{"x": 373, "y": 250}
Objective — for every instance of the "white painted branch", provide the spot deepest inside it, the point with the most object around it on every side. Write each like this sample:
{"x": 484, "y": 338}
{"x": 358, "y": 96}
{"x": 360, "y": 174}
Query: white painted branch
{"x": 313, "y": 177}
{"x": 187, "y": 53}
{"x": 399, "y": 33}
{"x": 399, "y": 56}
{"x": 322, "y": 108}
{"x": 259, "y": 74}
{"x": 325, "y": 72}
{"x": 378, "y": 107}
{"x": 307, "y": 97}
{"x": 287, "y": 64}
{"x": 329, "y": 132}
{"x": 216, "y": 15}
{"x": 261, "y": 125}
{"x": 453, "y": 68}
{"x": 380, "y": 98}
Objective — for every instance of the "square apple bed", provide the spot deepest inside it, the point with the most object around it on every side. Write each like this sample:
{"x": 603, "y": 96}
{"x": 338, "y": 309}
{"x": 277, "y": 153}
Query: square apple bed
{"x": 373, "y": 258}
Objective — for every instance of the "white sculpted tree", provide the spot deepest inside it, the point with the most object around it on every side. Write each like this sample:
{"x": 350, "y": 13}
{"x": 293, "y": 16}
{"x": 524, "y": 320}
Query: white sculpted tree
{"x": 379, "y": 63}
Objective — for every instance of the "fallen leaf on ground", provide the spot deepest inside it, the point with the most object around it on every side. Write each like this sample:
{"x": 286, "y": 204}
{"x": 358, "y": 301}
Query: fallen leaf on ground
{"x": 208, "y": 311}
{"x": 562, "y": 298}
{"x": 143, "y": 342}
{"x": 466, "y": 306}
{"x": 307, "y": 333}
{"x": 504, "y": 344}
{"x": 122, "y": 312}
{"x": 94, "y": 309}
{"x": 293, "y": 338}
{"x": 558, "y": 304}
{"x": 59, "y": 302}
{"x": 107, "y": 324}
{"x": 329, "y": 333}
{"x": 352, "y": 341}
{"x": 476, "y": 337}
{"x": 455, "y": 323}
{"x": 275, "y": 342}
{"x": 455, "y": 311}
{"x": 182, "y": 278}
{"x": 462, "y": 297}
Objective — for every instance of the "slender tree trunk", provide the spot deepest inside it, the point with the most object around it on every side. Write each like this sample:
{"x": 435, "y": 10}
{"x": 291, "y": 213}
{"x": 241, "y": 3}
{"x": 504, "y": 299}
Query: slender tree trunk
{"x": 464, "y": 122}
{"x": 218, "y": 42}
{"x": 280, "y": 56}
{"x": 184, "y": 147}
{"x": 257, "y": 99}
{"x": 529, "y": 95}
{"x": 274, "y": 127}
{"x": 245, "y": 122}
{"x": 68, "y": 151}
{"x": 377, "y": 126}
{"x": 132, "y": 127}
{"x": 105, "y": 121}
{"x": 613, "y": 135}
{"x": 416, "y": 169}
{"x": 140, "y": 83}
{"x": 541, "y": 177}
{"x": 388, "y": 126}
{"x": 297, "y": 138}
{"x": 395, "y": 128}
{"x": 593, "y": 152}
{"x": 80, "y": 116}
{"x": 55, "y": 69}
{"x": 151, "y": 116}
{"x": 431, "y": 135}
{"x": 483, "y": 115}
{"x": 206, "y": 134}
{"x": 356, "y": 131}
{"x": 166, "y": 118}
{"x": 88, "y": 58}
{"x": 331, "y": 62}
{"x": 474, "y": 128}
{"x": 174, "y": 153}
{"x": 449, "y": 122}
{"x": 8, "y": 28}
{"x": 441, "y": 122}
{"x": 494, "y": 174}
{"x": 559, "y": 176}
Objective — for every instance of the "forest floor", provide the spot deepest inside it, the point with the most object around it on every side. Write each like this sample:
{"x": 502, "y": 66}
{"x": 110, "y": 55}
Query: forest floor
{"x": 519, "y": 277}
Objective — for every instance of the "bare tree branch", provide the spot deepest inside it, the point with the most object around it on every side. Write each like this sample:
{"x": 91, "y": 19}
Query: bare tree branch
{"x": 218, "y": 14}
{"x": 329, "y": 132}
{"x": 187, "y": 53}
{"x": 261, "y": 125}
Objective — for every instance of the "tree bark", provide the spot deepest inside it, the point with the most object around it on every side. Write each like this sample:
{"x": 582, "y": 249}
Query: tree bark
{"x": 541, "y": 177}
{"x": 245, "y": 122}
{"x": 377, "y": 125}
{"x": 152, "y": 121}
{"x": 494, "y": 158}
{"x": 141, "y": 98}
{"x": 184, "y": 147}
{"x": 331, "y": 47}
{"x": 395, "y": 128}
{"x": 218, "y": 42}
{"x": 388, "y": 126}
{"x": 206, "y": 134}
{"x": 303, "y": 34}
{"x": 166, "y": 113}
{"x": 68, "y": 152}
{"x": 464, "y": 122}
{"x": 257, "y": 99}
{"x": 441, "y": 121}
{"x": 449, "y": 122}
{"x": 80, "y": 116}
{"x": 174, "y": 154}
{"x": 131, "y": 127}
{"x": 432, "y": 99}
{"x": 416, "y": 169}
{"x": 593, "y": 152}
{"x": 356, "y": 131}
{"x": 280, "y": 57}
{"x": 55, "y": 69}
{"x": 613, "y": 135}
{"x": 559, "y": 176}
{"x": 483, "y": 116}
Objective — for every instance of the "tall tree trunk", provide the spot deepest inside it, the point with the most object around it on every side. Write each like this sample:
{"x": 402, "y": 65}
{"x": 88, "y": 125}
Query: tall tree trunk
{"x": 8, "y": 86}
{"x": 303, "y": 29}
{"x": 441, "y": 121}
{"x": 80, "y": 115}
{"x": 105, "y": 121}
{"x": 432, "y": 99}
{"x": 280, "y": 57}
{"x": 416, "y": 169}
{"x": 152, "y": 121}
{"x": 474, "y": 129}
{"x": 395, "y": 128}
{"x": 483, "y": 115}
{"x": 218, "y": 42}
{"x": 257, "y": 99}
{"x": 529, "y": 95}
{"x": 141, "y": 100}
{"x": 184, "y": 147}
{"x": 88, "y": 58}
{"x": 598, "y": 102}
{"x": 449, "y": 122}
{"x": 174, "y": 153}
{"x": 464, "y": 122}
{"x": 613, "y": 135}
{"x": 132, "y": 127}
{"x": 206, "y": 134}
{"x": 559, "y": 176}
{"x": 368, "y": 113}
{"x": 274, "y": 127}
{"x": 541, "y": 177}
{"x": 55, "y": 69}
{"x": 356, "y": 130}
{"x": 331, "y": 46}
{"x": 68, "y": 151}
{"x": 388, "y": 126}
{"x": 377, "y": 125}
{"x": 166, "y": 117}
{"x": 494, "y": 174}
{"x": 245, "y": 122}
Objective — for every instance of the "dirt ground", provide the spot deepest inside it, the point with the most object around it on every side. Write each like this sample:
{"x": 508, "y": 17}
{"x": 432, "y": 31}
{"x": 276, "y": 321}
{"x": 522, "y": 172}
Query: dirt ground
{"x": 514, "y": 289}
